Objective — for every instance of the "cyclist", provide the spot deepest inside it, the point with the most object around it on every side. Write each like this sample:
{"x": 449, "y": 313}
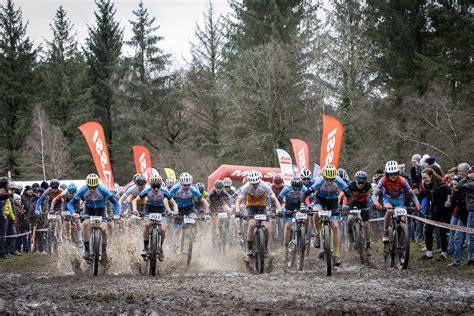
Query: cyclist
{"x": 94, "y": 196}
{"x": 227, "y": 182}
{"x": 158, "y": 200}
{"x": 183, "y": 193}
{"x": 392, "y": 186}
{"x": 197, "y": 203}
{"x": 219, "y": 201}
{"x": 65, "y": 197}
{"x": 124, "y": 198}
{"x": 255, "y": 191}
{"x": 292, "y": 197}
{"x": 361, "y": 191}
{"x": 134, "y": 192}
{"x": 343, "y": 175}
{"x": 327, "y": 188}
{"x": 48, "y": 196}
{"x": 305, "y": 175}
{"x": 169, "y": 182}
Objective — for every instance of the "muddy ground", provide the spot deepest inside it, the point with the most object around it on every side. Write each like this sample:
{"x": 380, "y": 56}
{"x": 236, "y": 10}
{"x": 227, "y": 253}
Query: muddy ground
{"x": 214, "y": 284}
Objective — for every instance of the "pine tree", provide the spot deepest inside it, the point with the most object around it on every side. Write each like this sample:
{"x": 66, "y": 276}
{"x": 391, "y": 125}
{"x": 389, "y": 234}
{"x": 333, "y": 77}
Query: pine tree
{"x": 17, "y": 62}
{"x": 103, "y": 50}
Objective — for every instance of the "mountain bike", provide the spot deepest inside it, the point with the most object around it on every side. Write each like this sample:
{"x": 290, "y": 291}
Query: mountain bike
{"x": 154, "y": 241}
{"x": 296, "y": 249}
{"x": 95, "y": 255}
{"x": 398, "y": 246}
{"x": 326, "y": 236}
{"x": 187, "y": 237}
{"x": 53, "y": 234}
{"x": 223, "y": 231}
{"x": 359, "y": 235}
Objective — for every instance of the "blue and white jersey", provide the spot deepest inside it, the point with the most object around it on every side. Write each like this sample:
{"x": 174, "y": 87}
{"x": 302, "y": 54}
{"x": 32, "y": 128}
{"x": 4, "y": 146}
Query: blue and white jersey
{"x": 292, "y": 198}
{"x": 95, "y": 200}
{"x": 329, "y": 191}
{"x": 155, "y": 198}
{"x": 182, "y": 198}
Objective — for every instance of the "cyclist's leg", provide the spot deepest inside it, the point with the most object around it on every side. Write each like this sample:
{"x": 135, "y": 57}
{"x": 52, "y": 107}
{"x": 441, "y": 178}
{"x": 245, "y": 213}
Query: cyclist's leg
{"x": 213, "y": 225}
{"x": 365, "y": 220}
{"x": 318, "y": 239}
{"x": 350, "y": 220}
{"x": 287, "y": 232}
{"x": 388, "y": 216}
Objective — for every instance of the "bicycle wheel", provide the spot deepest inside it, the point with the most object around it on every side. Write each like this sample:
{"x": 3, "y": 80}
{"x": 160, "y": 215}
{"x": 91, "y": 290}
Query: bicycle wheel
{"x": 327, "y": 249}
{"x": 259, "y": 251}
{"x": 153, "y": 251}
{"x": 300, "y": 248}
{"x": 97, "y": 236}
{"x": 189, "y": 237}
{"x": 402, "y": 246}
{"x": 307, "y": 240}
{"x": 50, "y": 239}
{"x": 359, "y": 240}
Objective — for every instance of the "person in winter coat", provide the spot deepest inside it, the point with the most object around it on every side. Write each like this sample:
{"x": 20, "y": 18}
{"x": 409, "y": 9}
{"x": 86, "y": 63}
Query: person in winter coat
{"x": 5, "y": 195}
{"x": 438, "y": 208}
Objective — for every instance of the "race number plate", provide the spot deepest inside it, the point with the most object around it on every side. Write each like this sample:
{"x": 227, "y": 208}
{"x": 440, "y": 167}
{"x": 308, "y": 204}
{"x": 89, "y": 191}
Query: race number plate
{"x": 260, "y": 217}
{"x": 65, "y": 213}
{"x": 155, "y": 216}
{"x": 188, "y": 220}
{"x": 222, "y": 215}
{"x": 51, "y": 216}
{"x": 96, "y": 218}
{"x": 324, "y": 213}
{"x": 355, "y": 212}
{"x": 400, "y": 211}
{"x": 300, "y": 216}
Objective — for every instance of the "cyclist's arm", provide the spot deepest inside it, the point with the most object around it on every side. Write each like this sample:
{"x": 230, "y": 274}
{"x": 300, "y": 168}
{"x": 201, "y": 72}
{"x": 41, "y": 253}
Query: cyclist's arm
{"x": 116, "y": 205}
{"x": 276, "y": 202}
{"x": 40, "y": 200}
{"x": 134, "y": 203}
{"x": 237, "y": 204}
{"x": 206, "y": 205}
{"x": 55, "y": 200}
{"x": 340, "y": 198}
{"x": 174, "y": 204}
{"x": 375, "y": 197}
{"x": 77, "y": 197}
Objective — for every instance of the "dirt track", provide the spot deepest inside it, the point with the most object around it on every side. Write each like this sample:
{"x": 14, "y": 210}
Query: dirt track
{"x": 222, "y": 285}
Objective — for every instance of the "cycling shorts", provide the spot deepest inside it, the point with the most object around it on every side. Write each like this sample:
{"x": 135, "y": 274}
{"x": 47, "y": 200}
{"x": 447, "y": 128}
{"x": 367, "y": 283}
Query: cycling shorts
{"x": 394, "y": 202}
{"x": 184, "y": 211}
{"x": 252, "y": 210}
{"x": 89, "y": 211}
{"x": 361, "y": 205}
{"x": 330, "y": 204}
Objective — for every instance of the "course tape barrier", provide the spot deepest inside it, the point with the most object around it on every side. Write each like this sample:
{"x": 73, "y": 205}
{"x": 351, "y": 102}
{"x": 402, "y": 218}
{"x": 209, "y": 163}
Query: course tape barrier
{"x": 464, "y": 229}
{"x": 27, "y": 233}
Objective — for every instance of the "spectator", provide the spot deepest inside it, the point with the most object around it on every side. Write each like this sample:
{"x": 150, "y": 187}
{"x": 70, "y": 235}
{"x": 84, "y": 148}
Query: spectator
{"x": 22, "y": 225}
{"x": 454, "y": 205}
{"x": 4, "y": 196}
{"x": 437, "y": 195}
{"x": 415, "y": 171}
{"x": 463, "y": 197}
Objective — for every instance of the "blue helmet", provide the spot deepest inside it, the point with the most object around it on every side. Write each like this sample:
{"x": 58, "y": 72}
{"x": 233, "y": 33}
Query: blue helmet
{"x": 71, "y": 188}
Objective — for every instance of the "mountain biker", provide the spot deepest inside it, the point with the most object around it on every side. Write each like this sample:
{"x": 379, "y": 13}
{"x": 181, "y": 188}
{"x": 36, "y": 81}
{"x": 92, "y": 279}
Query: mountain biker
{"x": 183, "y": 193}
{"x": 227, "y": 182}
{"x": 158, "y": 200}
{"x": 123, "y": 201}
{"x": 255, "y": 191}
{"x": 94, "y": 196}
{"x": 292, "y": 196}
{"x": 361, "y": 191}
{"x": 169, "y": 182}
{"x": 48, "y": 196}
{"x": 327, "y": 188}
{"x": 197, "y": 203}
{"x": 306, "y": 176}
{"x": 64, "y": 198}
{"x": 343, "y": 175}
{"x": 134, "y": 193}
{"x": 219, "y": 201}
{"x": 392, "y": 186}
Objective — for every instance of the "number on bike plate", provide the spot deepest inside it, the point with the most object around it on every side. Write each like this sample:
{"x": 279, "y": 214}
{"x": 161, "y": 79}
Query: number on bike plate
{"x": 96, "y": 218}
{"x": 400, "y": 211}
{"x": 65, "y": 213}
{"x": 324, "y": 213}
{"x": 188, "y": 220}
{"x": 51, "y": 216}
{"x": 300, "y": 215}
{"x": 260, "y": 217}
{"x": 355, "y": 212}
{"x": 155, "y": 216}
{"x": 222, "y": 215}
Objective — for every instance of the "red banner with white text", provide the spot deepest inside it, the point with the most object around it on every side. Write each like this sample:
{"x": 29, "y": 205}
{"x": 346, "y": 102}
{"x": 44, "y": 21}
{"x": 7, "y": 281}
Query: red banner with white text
{"x": 301, "y": 151}
{"x": 142, "y": 158}
{"x": 332, "y": 141}
{"x": 94, "y": 134}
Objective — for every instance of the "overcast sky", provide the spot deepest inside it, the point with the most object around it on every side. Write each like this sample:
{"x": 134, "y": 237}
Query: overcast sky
{"x": 176, "y": 18}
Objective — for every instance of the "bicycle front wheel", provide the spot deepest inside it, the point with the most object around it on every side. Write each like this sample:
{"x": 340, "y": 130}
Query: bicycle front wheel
{"x": 327, "y": 249}
{"x": 359, "y": 240}
{"x": 300, "y": 248}
{"x": 402, "y": 246}
{"x": 96, "y": 241}
{"x": 259, "y": 251}
{"x": 153, "y": 252}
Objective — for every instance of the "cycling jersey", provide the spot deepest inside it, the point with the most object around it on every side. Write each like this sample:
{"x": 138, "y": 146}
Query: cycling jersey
{"x": 293, "y": 199}
{"x": 134, "y": 192}
{"x": 153, "y": 198}
{"x": 361, "y": 195}
{"x": 197, "y": 202}
{"x": 48, "y": 196}
{"x": 256, "y": 196}
{"x": 184, "y": 198}
{"x": 393, "y": 189}
{"x": 277, "y": 189}
{"x": 328, "y": 191}
{"x": 217, "y": 200}
{"x": 65, "y": 199}
{"x": 94, "y": 200}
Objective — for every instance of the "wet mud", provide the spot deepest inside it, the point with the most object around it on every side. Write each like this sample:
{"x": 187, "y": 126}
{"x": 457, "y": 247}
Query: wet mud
{"x": 225, "y": 284}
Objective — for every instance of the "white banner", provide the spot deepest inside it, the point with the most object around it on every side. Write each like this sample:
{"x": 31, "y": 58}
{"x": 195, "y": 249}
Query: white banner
{"x": 316, "y": 170}
{"x": 286, "y": 166}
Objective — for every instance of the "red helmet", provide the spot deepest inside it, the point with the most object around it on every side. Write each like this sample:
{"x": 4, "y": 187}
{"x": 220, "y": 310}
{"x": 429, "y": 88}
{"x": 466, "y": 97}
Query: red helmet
{"x": 278, "y": 179}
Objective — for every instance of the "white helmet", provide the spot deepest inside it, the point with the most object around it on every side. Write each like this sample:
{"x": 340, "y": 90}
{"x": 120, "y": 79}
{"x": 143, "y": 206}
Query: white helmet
{"x": 185, "y": 178}
{"x": 305, "y": 173}
{"x": 254, "y": 176}
{"x": 227, "y": 182}
{"x": 169, "y": 182}
{"x": 392, "y": 167}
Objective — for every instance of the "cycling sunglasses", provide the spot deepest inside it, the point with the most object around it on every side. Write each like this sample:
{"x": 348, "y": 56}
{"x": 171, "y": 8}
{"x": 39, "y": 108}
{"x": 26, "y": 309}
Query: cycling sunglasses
{"x": 155, "y": 186}
{"x": 329, "y": 180}
{"x": 360, "y": 182}
{"x": 392, "y": 174}
{"x": 92, "y": 188}
{"x": 306, "y": 179}
{"x": 227, "y": 187}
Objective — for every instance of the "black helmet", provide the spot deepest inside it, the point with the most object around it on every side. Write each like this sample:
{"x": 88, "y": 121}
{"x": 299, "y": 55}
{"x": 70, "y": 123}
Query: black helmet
{"x": 200, "y": 186}
{"x": 296, "y": 183}
{"x": 140, "y": 180}
{"x": 218, "y": 184}
{"x": 54, "y": 184}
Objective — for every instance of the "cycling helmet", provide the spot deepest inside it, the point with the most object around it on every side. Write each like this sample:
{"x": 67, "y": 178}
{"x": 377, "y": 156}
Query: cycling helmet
{"x": 156, "y": 180}
{"x": 227, "y": 182}
{"x": 200, "y": 186}
{"x": 329, "y": 172}
{"x": 296, "y": 183}
{"x": 135, "y": 176}
{"x": 254, "y": 176}
{"x": 277, "y": 179}
{"x": 305, "y": 173}
{"x": 71, "y": 188}
{"x": 361, "y": 176}
{"x": 140, "y": 180}
{"x": 54, "y": 184}
{"x": 218, "y": 184}
{"x": 63, "y": 186}
{"x": 185, "y": 178}
{"x": 392, "y": 167}
{"x": 92, "y": 180}
{"x": 343, "y": 174}
{"x": 169, "y": 182}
